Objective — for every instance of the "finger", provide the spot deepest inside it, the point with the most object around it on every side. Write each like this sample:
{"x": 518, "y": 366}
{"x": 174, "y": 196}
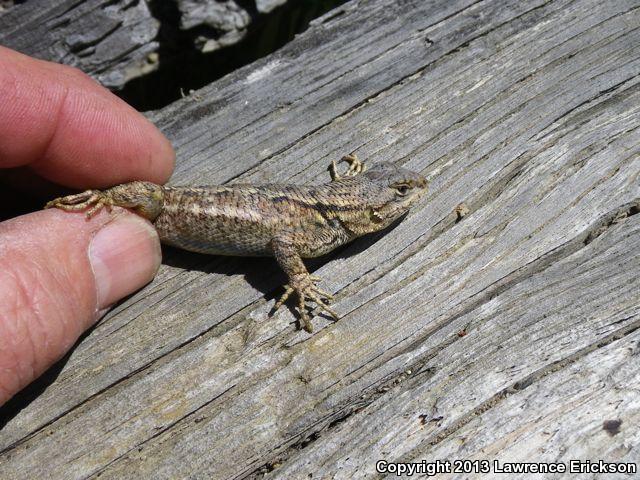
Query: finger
{"x": 57, "y": 272}
{"x": 70, "y": 130}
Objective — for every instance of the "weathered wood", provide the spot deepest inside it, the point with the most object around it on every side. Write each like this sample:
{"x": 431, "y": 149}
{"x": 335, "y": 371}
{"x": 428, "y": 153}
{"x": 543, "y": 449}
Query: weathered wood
{"x": 220, "y": 23}
{"x": 116, "y": 41}
{"x": 541, "y": 368}
{"x": 226, "y": 21}
{"x": 266, "y": 6}
{"x": 111, "y": 40}
{"x": 508, "y": 332}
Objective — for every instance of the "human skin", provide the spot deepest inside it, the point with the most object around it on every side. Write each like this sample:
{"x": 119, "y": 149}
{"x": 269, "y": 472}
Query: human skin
{"x": 59, "y": 271}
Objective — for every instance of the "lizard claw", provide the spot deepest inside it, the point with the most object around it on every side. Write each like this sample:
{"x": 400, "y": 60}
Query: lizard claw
{"x": 94, "y": 200}
{"x": 305, "y": 288}
{"x": 356, "y": 166}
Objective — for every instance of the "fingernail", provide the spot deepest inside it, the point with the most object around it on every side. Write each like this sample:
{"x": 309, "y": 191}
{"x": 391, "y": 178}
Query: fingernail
{"x": 125, "y": 256}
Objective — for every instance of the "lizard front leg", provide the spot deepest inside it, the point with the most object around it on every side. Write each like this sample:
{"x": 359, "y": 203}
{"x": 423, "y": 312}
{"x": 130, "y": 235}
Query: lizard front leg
{"x": 145, "y": 198}
{"x": 300, "y": 282}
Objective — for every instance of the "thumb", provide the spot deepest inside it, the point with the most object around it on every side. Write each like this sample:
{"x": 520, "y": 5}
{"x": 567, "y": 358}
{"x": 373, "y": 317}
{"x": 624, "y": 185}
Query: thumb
{"x": 58, "y": 271}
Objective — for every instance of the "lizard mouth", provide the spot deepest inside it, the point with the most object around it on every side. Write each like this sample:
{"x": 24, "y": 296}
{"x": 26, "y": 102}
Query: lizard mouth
{"x": 375, "y": 217}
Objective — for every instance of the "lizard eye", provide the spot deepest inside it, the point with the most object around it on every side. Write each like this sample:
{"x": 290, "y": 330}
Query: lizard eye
{"x": 402, "y": 190}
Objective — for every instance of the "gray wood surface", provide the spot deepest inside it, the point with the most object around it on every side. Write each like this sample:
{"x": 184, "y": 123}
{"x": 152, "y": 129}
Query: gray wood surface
{"x": 117, "y": 40}
{"x": 113, "y": 41}
{"x": 215, "y": 24}
{"x": 222, "y": 23}
{"x": 509, "y": 330}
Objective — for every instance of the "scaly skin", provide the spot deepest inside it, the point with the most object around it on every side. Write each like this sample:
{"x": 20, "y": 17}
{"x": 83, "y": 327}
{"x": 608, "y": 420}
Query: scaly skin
{"x": 288, "y": 222}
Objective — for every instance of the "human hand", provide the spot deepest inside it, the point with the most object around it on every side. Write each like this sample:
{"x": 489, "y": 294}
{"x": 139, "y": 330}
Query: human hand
{"x": 59, "y": 272}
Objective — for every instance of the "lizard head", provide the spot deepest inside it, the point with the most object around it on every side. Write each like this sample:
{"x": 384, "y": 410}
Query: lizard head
{"x": 386, "y": 193}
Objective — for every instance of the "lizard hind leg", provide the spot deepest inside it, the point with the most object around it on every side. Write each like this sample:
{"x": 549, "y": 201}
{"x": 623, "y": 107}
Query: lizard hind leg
{"x": 90, "y": 200}
{"x": 144, "y": 198}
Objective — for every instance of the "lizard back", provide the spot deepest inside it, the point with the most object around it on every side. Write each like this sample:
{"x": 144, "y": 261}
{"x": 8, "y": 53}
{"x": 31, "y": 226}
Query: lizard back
{"x": 243, "y": 219}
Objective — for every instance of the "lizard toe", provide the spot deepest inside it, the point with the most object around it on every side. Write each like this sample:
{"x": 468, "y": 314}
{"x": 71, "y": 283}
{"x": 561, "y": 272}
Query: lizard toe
{"x": 305, "y": 321}
{"x": 322, "y": 293}
{"x": 284, "y": 297}
{"x": 322, "y": 305}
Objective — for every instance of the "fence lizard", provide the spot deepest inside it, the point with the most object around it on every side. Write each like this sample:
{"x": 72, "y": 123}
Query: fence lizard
{"x": 288, "y": 222}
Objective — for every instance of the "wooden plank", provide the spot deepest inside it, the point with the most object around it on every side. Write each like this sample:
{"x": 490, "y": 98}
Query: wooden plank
{"x": 526, "y": 112}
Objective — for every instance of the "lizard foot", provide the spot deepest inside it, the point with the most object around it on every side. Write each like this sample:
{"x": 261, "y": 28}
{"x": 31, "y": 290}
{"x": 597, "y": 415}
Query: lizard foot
{"x": 305, "y": 288}
{"x": 94, "y": 200}
{"x": 356, "y": 166}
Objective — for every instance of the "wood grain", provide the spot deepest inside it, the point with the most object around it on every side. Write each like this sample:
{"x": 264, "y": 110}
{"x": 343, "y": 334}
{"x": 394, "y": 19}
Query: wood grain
{"x": 120, "y": 40}
{"x": 113, "y": 41}
{"x": 507, "y": 331}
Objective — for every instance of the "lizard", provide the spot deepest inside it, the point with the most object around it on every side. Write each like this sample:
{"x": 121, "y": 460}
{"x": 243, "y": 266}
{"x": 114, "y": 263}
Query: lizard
{"x": 288, "y": 222}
